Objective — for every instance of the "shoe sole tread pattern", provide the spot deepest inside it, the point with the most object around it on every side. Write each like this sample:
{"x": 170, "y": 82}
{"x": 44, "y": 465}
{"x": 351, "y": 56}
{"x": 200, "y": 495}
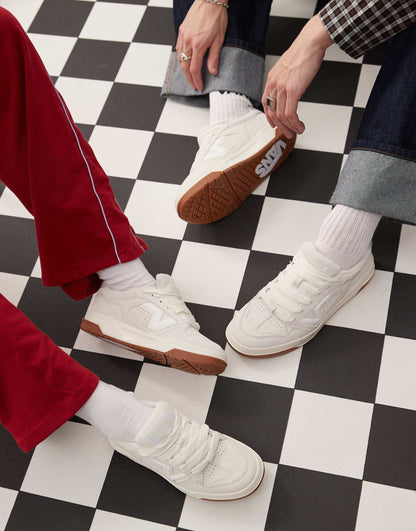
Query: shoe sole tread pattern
{"x": 309, "y": 337}
{"x": 175, "y": 358}
{"x": 220, "y": 193}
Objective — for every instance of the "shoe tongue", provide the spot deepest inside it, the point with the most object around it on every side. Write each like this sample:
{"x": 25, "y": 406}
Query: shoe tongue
{"x": 319, "y": 261}
{"x": 158, "y": 426}
{"x": 163, "y": 281}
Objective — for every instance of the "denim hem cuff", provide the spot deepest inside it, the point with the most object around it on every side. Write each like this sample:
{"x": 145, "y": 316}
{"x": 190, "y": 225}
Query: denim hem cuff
{"x": 239, "y": 71}
{"x": 379, "y": 183}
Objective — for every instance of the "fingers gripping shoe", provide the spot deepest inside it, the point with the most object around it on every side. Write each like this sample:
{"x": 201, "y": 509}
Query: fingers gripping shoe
{"x": 198, "y": 461}
{"x": 154, "y": 322}
{"x": 293, "y": 307}
{"x": 233, "y": 159}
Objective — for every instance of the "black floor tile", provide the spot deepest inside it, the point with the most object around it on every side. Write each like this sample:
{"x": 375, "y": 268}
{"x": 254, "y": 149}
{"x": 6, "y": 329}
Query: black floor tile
{"x": 161, "y": 255}
{"x": 169, "y": 158}
{"x": 355, "y": 122}
{"x": 253, "y": 413}
{"x": 391, "y": 453}
{"x": 306, "y": 176}
{"x": 282, "y": 31}
{"x": 341, "y": 362}
{"x": 261, "y": 269}
{"x": 305, "y": 500}
{"x": 18, "y": 244}
{"x": 122, "y": 189}
{"x": 146, "y": 495}
{"x": 132, "y": 107}
{"x": 376, "y": 55}
{"x": 156, "y": 27}
{"x": 386, "y": 244}
{"x": 63, "y": 317}
{"x": 335, "y": 83}
{"x": 213, "y": 321}
{"x": 121, "y": 372}
{"x": 236, "y": 230}
{"x": 402, "y": 309}
{"x": 93, "y": 59}
{"x": 13, "y": 461}
{"x": 61, "y": 17}
{"x": 37, "y": 513}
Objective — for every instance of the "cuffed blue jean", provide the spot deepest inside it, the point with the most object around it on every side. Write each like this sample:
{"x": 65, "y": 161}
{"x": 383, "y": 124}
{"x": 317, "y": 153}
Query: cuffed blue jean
{"x": 380, "y": 173}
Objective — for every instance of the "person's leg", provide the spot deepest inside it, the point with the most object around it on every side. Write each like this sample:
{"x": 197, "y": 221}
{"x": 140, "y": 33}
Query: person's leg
{"x": 323, "y": 276}
{"x": 42, "y": 387}
{"x": 83, "y": 236}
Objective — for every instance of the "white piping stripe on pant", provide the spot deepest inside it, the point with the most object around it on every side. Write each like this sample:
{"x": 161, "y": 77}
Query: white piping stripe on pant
{"x": 91, "y": 178}
{"x": 137, "y": 240}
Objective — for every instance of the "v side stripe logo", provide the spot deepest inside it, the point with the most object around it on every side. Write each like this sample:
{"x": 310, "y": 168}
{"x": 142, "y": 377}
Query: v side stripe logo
{"x": 157, "y": 322}
{"x": 318, "y": 314}
{"x": 271, "y": 159}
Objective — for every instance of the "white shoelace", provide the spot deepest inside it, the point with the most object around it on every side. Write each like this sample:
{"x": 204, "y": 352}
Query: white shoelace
{"x": 292, "y": 289}
{"x": 171, "y": 299}
{"x": 189, "y": 448}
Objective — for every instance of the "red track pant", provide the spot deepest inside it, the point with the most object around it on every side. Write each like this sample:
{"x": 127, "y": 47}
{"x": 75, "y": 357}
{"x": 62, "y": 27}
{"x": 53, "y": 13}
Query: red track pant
{"x": 80, "y": 229}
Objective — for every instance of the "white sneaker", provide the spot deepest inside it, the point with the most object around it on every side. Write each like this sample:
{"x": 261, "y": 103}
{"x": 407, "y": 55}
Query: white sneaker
{"x": 154, "y": 322}
{"x": 196, "y": 460}
{"x": 292, "y": 308}
{"x": 233, "y": 159}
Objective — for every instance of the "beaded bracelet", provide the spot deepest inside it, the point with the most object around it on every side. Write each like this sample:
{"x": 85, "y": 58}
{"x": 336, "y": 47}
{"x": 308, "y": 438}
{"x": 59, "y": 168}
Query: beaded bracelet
{"x": 217, "y": 3}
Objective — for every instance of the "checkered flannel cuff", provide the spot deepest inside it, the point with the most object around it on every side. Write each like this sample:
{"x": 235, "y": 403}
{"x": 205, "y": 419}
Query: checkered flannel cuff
{"x": 357, "y": 26}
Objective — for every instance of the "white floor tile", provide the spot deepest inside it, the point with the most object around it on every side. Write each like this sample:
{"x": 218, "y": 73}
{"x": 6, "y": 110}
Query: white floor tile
{"x": 326, "y": 126}
{"x": 151, "y": 210}
{"x": 7, "y": 499}
{"x": 105, "y": 521}
{"x": 10, "y": 205}
{"x": 289, "y": 8}
{"x": 247, "y": 514}
{"x": 406, "y": 256}
{"x": 384, "y": 508}
{"x": 365, "y": 84}
{"x": 160, "y": 3}
{"x": 112, "y": 21}
{"x": 172, "y": 119}
{"x": 144, "y": 64}
{"x": 24, "y": 10}
{"x": 54, "y": 50}
{"x": 397, "y": 379}
{"x": 91, "y": 343}
{"x": 334, "y": 53}
{"x": 70, "y": 465}
{"x": 210, "y": 274}
{"x": 37, "y": 271}
{"x": 188, "y": 393}
{"x": 280, "y": 370}
{"x": 84, "y": 97}
{"x": 327, "y": 434}
{"x": 368, "y": 309}
{"x": 120, "y": 151}
{"x": 12, "y": 286}
{"x": 285, "y": 225}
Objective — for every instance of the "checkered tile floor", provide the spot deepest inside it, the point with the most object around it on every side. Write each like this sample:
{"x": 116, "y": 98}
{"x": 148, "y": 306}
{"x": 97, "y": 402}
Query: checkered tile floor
{"x": 334, "y": 421}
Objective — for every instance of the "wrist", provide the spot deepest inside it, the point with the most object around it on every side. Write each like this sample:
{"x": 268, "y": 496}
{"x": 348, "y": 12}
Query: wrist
{"x": 317, "y": 34}
{"x": 220, "y": 3}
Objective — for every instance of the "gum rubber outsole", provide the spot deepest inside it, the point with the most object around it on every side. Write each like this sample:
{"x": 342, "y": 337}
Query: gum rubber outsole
{"x": 175, "y": 358}
{"x": 221, "y": 192}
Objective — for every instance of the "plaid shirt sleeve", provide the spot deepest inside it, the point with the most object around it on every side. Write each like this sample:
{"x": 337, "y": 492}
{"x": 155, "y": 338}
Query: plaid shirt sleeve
{"x": 359, "y": 25}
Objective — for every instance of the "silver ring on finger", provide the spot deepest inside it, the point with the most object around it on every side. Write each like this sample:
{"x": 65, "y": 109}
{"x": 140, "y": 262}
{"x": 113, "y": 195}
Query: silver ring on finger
{"x": 184, "y": 57}
{"x": 270, "y": 103}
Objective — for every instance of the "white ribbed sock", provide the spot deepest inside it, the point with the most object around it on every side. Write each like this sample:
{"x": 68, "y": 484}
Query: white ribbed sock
{"x": 116, "y": 413}
{"x": 226, "y": 106}
{"x": 346, "y": 235}
{"x": 124, "y": 276}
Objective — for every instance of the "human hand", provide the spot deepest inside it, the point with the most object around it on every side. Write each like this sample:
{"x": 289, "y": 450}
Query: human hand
{"x": 203, "y": 28}
{"x": 292, "y": 74}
